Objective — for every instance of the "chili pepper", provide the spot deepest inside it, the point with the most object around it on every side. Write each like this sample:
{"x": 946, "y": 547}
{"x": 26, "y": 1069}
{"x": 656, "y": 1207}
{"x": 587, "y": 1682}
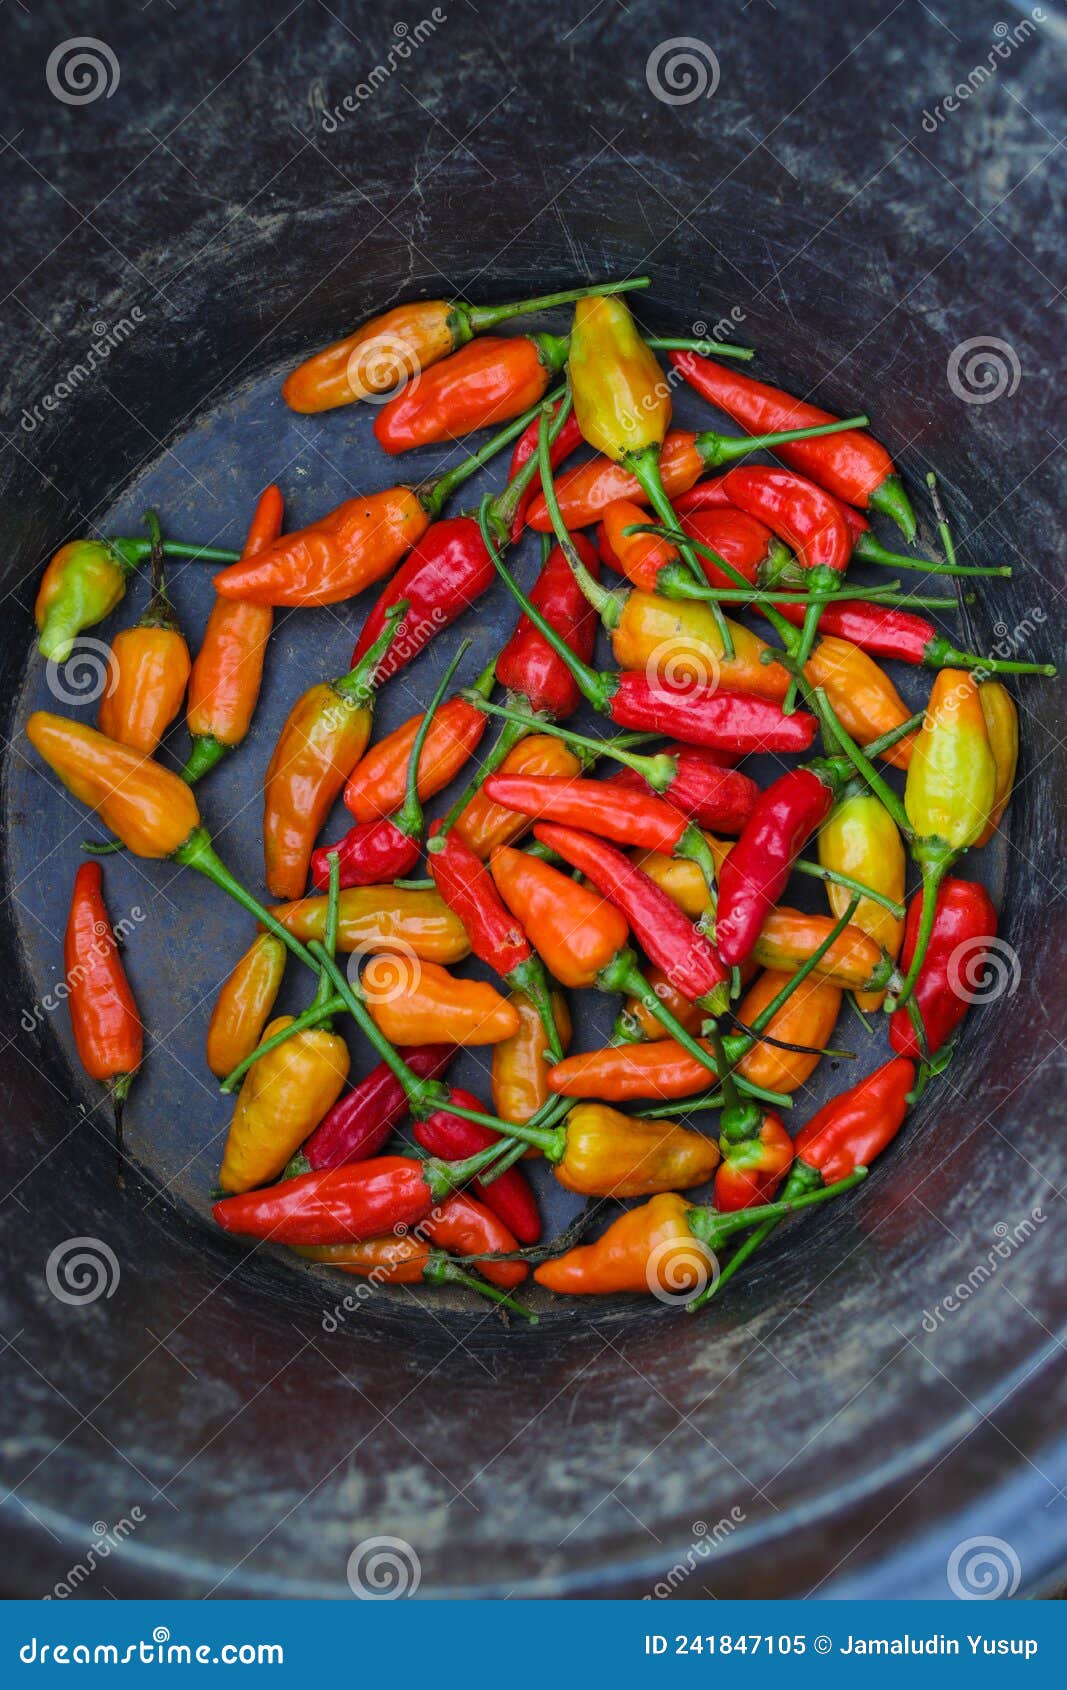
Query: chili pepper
{"x": 582, "y": 937}
{"x": 755, "y": 873}
{"x": 483, "y": 825}
{"x": 685, "y": 955}
{"x": 415, "y": 1002}
{"x": 963, "y": 930}
{"x": 666, "y": 1244}
{"x": 398, "y": 345}
{"x": 483, "y": 384}
{"x": 283, "y": 1098}
{"x": 839, "y": 1142}
{"x": 636, "y": 1022}
{"x": 854, "y": 961}
{"x": 409, "y": 1260}
{"x": 861, "y": 695}
{"x": 323, "y": 738}
{"x": 1002, "y": 726}
{"x": 149, "y": 668}
{"x": 860, "y": 838}
{"x": 468, "y": 1227}
{"x": 598, "y": 1152}
{"x": 701, "y": 788}
{"x": 243, "y": 1006}
{"x": 852, "y": 465}
{"x": 363, "y": 1119}
{"x": 354, "y": 545}
{"x": 567, "y": 440}
{"x": 650, "y": 561}
{"x": 886, "y": 631}
{"x": 808, "y": 1017}
{"x": 701, "y": 715}
{"x": 444, "y": 574}
{"x": 378, "y": 783}
{"x": 496, "y": 938}
{"x": 228, "y": 669}
{"x": 377, "y": 851}
{"x": 752, "y": 1170}
{"x": 103, "y": 1015}
{"x": 950, "y": 793}
{"x": 509, "y": 1196}
{"x": 519, "y": 1069}
{"x": 382, "y": 918}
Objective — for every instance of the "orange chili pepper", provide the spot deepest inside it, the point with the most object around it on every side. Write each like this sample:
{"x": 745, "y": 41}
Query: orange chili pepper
{"x": 410, "y": 1260}
{"x": 854, "y": 960}
{"x": 519, "y": 1069}
{"x": 639, "y": 1022}
{"x": 103, "y": 1015}
{"x": 324, "y": 736}
{"x": 244, "y": 1004}
{"x": 484, "y": 383}
{"x": 228, "y": 670}
{"x": 577, "y": 933}
{"x": 414, "y": 1002}
{"x": 484, "y": 826}
{"x": 283, "y": 1098}
{"x": 149, "y": 668}
{"x": 151, "y": 810}
{"x": 808, "y": 1017}
{"x": 657, "y": 1232}
{"x": 860, "y": 694}
{"x": 659, "y": 1070}
{"x": 680, "y": 641}
{"x": 383, "y": 918}
{"x": 376, "y": 786}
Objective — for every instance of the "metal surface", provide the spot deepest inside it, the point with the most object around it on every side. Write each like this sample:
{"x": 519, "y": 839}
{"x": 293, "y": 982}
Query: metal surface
{"x": 585, "y": 1455}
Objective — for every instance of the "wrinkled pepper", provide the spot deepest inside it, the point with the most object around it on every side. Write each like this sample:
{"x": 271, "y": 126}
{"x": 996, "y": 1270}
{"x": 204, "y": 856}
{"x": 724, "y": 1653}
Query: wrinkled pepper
{"x": 103, "y": 1015}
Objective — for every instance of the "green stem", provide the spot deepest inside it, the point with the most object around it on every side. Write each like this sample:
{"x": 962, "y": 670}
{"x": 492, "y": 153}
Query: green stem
{"x": 824, "y": 584}
{"x": 718, "y": 449}
{"x": 205, "y": 753}
{"x": 505, "y": 505}
{"x": 478, "y": 319}
{"x": 410, "y": 818}
{"x": 358, "y": 684}
{"x": 314, "y": 1016}
{"x": 890, "y": 499}
{"x": 716, "y": 1229}
{"x": 645, "y": 466}
{"x": 333, "y": 898}
{"x": 707, "y": 348}
{"x": 198, "y": 853}
{"x": 935, "y": 860}
{"x": 434, "y": 495}
{"x": 529, "y": 977}
{"x": 658, "y": 770}
{"x": 676, "y": 586}
{"x": 442, "y": 1270}
{"x": 834, "y": 877}
{"x": 943, "y": 530}
{"x": 870, "y": 550}
{"x": 860, "y": 762}
{"x": 131, "y": 551}
{"x": 939, "y": 654}
{"x": 623, "y": 975}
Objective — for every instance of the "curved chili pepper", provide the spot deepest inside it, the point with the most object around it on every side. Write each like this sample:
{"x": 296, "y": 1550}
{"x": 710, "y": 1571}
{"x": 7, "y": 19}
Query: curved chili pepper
{"x": 1002, "y": 726}
{"x": 150, "y": 666}
{"x": 228, "y": 669}
{"x": 567, "y": 441}
{"x": 398, "y": 918}
{"x": 414, "y": 1002}
{"x": 467, "y": 1227}
{"x": 323, "y": 738}
{"x": 852, "y": 465}
{"x": 103, "y": 1015}
{"x": 650, "y": 562}
{"x": 361, "y": 1122}
{"x": 700, "y": 788}
{"x": 860, "y": 838}
{"x": 378, "y": 783}
{"x": 509, "y": 1196}
{"x": 82, "y": 584}
{"x": 854, "y": 960}
{"x": 519, "y": 1069}
{"x": 887, "y": 631}
{"x": 861, "y": 695}
{"x": 242, "y": 1008}
{"x": 752, "y": 1170}
{"x": 397, "y": 345}
{"x": 756, "y": 871}
{"x": 963, "y": 931}
{"x": 282, "y": 1099}
{"x": 661, "y": 1069}
{"x": 485, "y": 383}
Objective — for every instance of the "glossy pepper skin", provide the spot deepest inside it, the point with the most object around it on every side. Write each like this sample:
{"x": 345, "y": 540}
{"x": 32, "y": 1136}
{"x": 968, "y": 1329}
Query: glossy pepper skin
{"x": 362, "y": 1120}
{"x": 243, "y": 1006}
{"x": 415, "y": 1002}
{"x": 964, "y": 929}
{"x": 1002, "y": 728}
{"x": 685, "y": 955}
{"x": 681, "y": 641}
{"x": 800, "y": 513}
{"x": 103, "y": 1015}
{"x": 952, "y": 781}
{"x": 854, "y": 961}
{"x": 324, "y": 736}
{"x": 748, "y": 545}
{"x": 283, "y": 1097}
{"x": 228, "y": 669}
{"x": 333, "y": 1205}
{"x": 740, "y": 724}
{"x": 519, "y": 1070}
{"x": 567, "y": 441}
{"x": 484, "y": 826}
{"x": 527, "y": 666}
{"x": 852, "y": 465}
{"x": 452, "y": 1137}
{"x": 600, "y": 807}
{"x": 376, "y": 786}
{"x": 444, "y": 574}
{"x": 621, "y": 400}
{"x": 151, "y": 810}
{"x": 623, "y": 1073}
{"x": 585, "y": 492}
{"x": 399, "y": 918}
{"x": 82, "y": 584}
{"x": 462, "y": 1225}
{"x": 751, "y": 1171}
{"x": 619, "y": 1259}
{"x": 861, "y": 839}
{"x": 370, "y": 854}
{"x": 576, "y": 932}
{"x": 638, "y": 1022}
{"x": 608, "y": 1154}
{"x": 806, "y": 1018}
{"x": 860, "y": 694}
{"x": 150, "y": 667}
{"x": 485, "y": 383}
{"x": 701, "y": 788}
{"x": 755, "y": 873}
{"x": 852, "y": 1129}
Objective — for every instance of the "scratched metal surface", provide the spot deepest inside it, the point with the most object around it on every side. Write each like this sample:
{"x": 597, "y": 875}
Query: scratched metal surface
{"x": 586, "y": 1449}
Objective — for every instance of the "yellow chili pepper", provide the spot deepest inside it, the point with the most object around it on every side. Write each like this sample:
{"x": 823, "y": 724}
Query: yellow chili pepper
{"x": 519, "y": 1069}
{"x": 244, "y": 1003}
{"x": 608, "y": 1154}
{"x": 383, "y": 918}
{"x": 282, "y": 1099}
{"x": 1002, "y": 726}
{"x": 683, "y": 640}
{"x": 621, "y": 399}
{"x": 151, "y": 810}
{"x": 681, "y": 879}
{"x": 860, "y": 838}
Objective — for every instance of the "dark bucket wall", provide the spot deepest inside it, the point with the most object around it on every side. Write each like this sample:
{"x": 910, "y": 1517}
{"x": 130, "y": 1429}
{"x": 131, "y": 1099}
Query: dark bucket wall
{"x": 847, "y": 1444}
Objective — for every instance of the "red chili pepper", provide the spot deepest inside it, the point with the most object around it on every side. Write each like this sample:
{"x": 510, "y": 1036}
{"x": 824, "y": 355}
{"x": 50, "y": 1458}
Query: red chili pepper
{"x": 755, "y": 873}
{"x": 103, "y": 1015}
{"x": 333, "y": 1205}
{"x": 701, "y": 787}
{"x": 485, "y": 383}
{"x": 965, "y": 926}
{"x": 743, "y": 542}
{"x": 884, "y": 631}
{"x": 805, "y": 516}
{"x": 852, "y": 465}
{"x": 566, "y": 442}
{"x": 528, "y": 666}
{"x": 685, "y": 955}
{"x": 360, "y": 1122}
{"x": 600, "y": 807}
{"x": 849, "y": 1131}
{"x": 509, "y": 1196}
{"x": 752, "y": 1171}
{"x": 704, "y": 496}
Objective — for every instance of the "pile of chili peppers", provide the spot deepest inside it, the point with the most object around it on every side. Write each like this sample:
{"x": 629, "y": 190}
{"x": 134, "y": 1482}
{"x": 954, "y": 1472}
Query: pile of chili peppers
{"x": 638, "y": 861}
